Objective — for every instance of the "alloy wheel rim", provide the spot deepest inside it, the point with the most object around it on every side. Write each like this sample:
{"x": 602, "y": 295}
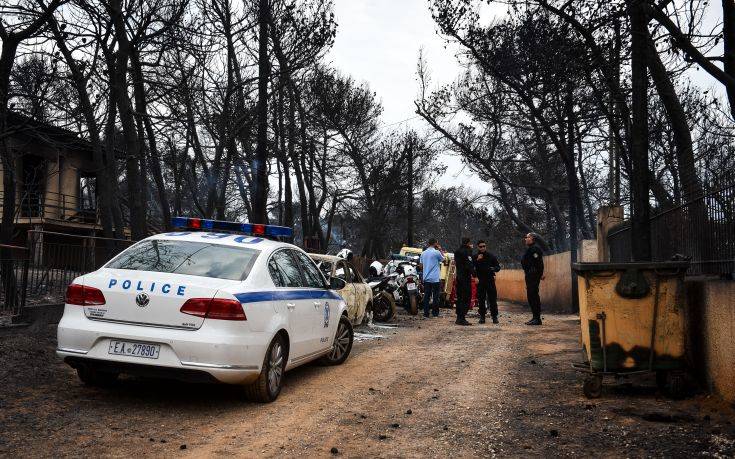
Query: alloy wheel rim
{"x": 275, "y": 367}
{"x": 341, "y": 342}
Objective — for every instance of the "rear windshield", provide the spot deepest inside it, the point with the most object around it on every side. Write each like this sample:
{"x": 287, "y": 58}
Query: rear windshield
{"x": 185, "y": 257}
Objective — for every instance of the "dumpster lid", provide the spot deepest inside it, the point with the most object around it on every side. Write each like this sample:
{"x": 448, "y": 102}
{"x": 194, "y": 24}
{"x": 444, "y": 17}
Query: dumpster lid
{"x": 582, "y": 267}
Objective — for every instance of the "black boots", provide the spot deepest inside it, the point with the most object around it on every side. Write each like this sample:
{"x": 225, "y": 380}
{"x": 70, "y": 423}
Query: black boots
{"x": 534, "y": 321}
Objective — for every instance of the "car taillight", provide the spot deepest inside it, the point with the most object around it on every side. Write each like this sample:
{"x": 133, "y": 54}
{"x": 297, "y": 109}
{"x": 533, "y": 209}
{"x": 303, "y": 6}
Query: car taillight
{"x": 81, "y": 295}
{"x": 214, "y": 308}
{"x": 196, "y": 307}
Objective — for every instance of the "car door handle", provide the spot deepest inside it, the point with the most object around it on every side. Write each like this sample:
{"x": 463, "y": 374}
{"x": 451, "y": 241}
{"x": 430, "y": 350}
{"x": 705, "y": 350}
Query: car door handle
{"x": 291, "y": 306}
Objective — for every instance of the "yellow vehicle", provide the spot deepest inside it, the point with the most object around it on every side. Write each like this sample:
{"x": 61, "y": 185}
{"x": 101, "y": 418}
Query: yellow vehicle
{"x": 446, "y": 274}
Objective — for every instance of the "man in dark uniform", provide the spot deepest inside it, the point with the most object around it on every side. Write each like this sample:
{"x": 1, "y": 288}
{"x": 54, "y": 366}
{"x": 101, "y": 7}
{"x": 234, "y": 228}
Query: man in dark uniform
{"x": 486, "y": 265}
{"x": 533, "y": 268}
{"x": 465, "y": 272}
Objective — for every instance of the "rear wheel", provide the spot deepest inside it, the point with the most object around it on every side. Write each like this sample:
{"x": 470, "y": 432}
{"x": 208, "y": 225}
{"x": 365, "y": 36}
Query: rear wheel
{"x": 384, "y": 307}
{"x": 93, "y": 377}
{"x": 342, "y": 343}
{"x": 592, "y": 386}
{"x": 268, "y": 385}
{"x": 413, "y": 304}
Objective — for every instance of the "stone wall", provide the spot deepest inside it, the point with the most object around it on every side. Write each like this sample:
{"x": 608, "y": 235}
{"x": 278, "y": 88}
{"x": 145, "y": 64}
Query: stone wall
{"x": 556, "y": 288}
{"x": 712, "y": 334}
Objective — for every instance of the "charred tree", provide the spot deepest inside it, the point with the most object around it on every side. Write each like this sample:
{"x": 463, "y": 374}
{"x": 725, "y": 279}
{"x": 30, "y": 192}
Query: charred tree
{"x": 639, "y": 182}
{"x": 259, "y": 166}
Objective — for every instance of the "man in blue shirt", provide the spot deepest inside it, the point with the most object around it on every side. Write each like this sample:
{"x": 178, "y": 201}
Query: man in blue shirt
{"x": 431, "y": 265}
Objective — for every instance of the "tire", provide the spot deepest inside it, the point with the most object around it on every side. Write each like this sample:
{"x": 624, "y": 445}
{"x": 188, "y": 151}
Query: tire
{"x": 592, "y": 386}
{"x": 413, "y": 304}
{"x": 384, "y": 307}
{"x": 366, "y": 318}
{"x": 342, "y": 344}
{"x": 92, "y": 377}
{"x": 270, "y": 381}
{"x": 676, "y": 385}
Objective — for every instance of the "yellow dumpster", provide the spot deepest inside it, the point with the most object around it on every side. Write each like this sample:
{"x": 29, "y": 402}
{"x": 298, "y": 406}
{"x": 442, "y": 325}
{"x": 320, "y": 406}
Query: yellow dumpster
{"x": 633, "y": 322}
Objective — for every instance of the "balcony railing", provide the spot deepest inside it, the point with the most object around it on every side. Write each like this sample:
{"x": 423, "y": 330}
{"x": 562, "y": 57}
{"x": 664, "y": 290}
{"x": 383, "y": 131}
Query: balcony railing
{"x": 32, "y": 207}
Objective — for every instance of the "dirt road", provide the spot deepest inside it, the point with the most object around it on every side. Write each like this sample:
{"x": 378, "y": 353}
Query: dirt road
{"x": 426, "y": 388}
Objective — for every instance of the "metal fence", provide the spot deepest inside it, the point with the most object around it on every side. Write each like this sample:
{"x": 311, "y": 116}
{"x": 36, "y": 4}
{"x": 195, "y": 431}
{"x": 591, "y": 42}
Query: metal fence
{"x": 55, "y": 259}
{"x": 703, "y": 229}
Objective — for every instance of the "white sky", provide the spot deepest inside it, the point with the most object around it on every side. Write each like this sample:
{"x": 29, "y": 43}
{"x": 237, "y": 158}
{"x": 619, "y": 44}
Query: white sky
{"x": 378, "y": 42}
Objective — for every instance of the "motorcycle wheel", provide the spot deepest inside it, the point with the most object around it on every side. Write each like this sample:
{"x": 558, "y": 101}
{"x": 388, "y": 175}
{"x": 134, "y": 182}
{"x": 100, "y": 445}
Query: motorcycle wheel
{"x": 384, "y": 307}
{"x": 413, "y": 303}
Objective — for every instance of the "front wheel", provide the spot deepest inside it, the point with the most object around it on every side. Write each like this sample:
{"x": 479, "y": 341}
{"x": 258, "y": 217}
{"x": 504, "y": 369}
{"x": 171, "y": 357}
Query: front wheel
{"x": 342, "y": 343}
{"x": 268, "y": 385}
{"x": 384, "y": 307}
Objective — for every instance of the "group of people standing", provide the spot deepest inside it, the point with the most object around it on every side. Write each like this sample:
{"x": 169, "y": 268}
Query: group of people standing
{"x": 481, "y": 265}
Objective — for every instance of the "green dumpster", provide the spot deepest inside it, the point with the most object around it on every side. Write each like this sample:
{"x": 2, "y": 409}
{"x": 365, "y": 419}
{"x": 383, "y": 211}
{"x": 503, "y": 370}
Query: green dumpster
{"x": 632, "y": 317}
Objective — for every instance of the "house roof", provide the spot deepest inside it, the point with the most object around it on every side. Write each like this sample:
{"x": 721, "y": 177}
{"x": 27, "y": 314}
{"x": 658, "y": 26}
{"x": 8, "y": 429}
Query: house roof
{"x": 24, "y": 126}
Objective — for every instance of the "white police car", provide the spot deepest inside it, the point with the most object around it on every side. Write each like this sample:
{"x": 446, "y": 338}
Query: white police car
{"x": 205, "y": 306}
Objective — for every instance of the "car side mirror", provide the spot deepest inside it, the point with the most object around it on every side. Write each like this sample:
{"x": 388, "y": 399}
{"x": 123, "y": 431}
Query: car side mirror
{"x": 335, "y": 283}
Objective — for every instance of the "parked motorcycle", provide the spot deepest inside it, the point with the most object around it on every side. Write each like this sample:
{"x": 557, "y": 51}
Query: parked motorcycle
{"x": 410, "y": 288}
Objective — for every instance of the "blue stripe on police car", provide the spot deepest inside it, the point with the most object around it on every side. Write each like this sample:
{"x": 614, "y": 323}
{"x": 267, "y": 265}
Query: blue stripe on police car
{"x": 255, "y": 297}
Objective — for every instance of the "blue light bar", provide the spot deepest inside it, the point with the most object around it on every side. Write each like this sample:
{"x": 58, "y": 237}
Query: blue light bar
{"x": 252, "y": 229}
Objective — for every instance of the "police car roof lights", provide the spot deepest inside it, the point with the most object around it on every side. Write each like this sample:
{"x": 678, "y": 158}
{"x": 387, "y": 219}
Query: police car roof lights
{"x": 253, "y": 229}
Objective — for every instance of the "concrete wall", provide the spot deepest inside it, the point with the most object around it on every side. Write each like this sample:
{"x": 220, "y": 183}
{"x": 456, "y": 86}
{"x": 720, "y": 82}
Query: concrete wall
{"x": 712, "y": 334}
{"x": 556, "y": 288}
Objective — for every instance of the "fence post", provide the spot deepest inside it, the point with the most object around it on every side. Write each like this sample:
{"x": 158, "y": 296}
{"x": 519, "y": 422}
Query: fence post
{"x": 24, "y": 285}
{"x": 85, "y": 247}
{"x": 607, "y": 218}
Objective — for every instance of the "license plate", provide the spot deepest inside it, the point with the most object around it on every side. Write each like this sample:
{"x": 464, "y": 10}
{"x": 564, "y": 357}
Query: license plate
{"x": 396, "y": 295}
{"x": 146, "y": 351}
{"x": 411, "y": 286}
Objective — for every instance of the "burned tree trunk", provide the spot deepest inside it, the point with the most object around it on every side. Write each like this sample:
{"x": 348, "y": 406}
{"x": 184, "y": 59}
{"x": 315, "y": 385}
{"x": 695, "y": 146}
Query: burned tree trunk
{"x": 118, "y": 80}
{"x": 9, "y": 49}
{"x": 260, "y": 172}
{"x": 639, "y": 181}
{"x": 141, "y": 104}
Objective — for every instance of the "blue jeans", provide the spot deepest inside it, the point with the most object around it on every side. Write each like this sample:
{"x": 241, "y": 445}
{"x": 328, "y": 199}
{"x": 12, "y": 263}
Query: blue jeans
{"x": 431, "y": 291}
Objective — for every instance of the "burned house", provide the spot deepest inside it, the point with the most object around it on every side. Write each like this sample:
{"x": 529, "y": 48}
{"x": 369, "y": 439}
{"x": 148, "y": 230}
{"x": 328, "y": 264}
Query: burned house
{"x": 57, "y": 219}
{"x": 55, "y": 180}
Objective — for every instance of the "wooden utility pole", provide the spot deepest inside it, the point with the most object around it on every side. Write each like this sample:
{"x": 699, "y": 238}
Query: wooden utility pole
{"x": 260, "y": 162}
{"x": 639, "y": 183}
